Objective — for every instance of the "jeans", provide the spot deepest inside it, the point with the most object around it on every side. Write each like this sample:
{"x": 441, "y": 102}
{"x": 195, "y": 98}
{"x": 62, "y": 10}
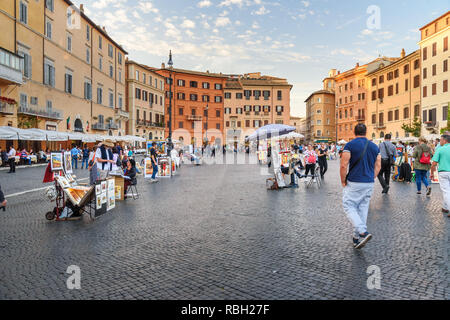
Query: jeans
{"x": 74, "y": 163}
{"x": 444, "y": 182}
{"x": 85, "y": 160}
{"x": 356, "y": 200}
{"x": 385, "y": 173}
{"x": 155, "y": 170}
{"x": 421, "y": 176}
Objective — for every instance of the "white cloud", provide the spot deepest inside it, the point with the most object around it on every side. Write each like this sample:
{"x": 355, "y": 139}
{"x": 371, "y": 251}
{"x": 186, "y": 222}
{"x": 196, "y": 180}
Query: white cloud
{"x": 255, "y": 25}
{"x": 343, "y": 52}
{"x": 302, "y": 16}
{"x": 228, "y": 3}
{"x": 261, "y": 11}
{"x": 188, "y": 24}
{"x": 204, "y": 4}
{"x": 222, "y": 21}
{"x": 147, "y": 7}
{"x": 305, "y": 3}
{"x": 237, "y": 22}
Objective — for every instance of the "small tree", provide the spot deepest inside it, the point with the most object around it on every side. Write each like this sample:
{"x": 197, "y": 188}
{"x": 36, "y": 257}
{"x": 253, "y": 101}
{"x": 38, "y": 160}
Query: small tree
{"x": 415, "y": 128}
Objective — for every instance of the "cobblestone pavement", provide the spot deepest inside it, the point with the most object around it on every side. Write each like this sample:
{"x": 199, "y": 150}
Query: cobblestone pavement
{"x": 215, "y": 232}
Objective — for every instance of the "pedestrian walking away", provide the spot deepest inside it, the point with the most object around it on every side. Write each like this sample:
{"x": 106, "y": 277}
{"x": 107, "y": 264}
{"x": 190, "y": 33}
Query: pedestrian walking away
{"x": 442, "y": 160}
{"x": 422, "y": 164}
{"x": 388, "y": 152}
{"x": 322, "y": 159}
{"x": 153, "y": 155}
{"x": 12, "y": 159}
{"x": 360, "y": 165}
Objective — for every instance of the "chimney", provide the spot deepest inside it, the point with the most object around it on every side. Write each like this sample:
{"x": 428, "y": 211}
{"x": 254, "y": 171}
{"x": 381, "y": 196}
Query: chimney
{"x": 104, "y": 29}
{"x": 339, "y": 72}
{"x": 163, "y": 65}
{"x": 357, "y": 64}
{"x": 81, "y": 8}
{"x": 402, "y": 55}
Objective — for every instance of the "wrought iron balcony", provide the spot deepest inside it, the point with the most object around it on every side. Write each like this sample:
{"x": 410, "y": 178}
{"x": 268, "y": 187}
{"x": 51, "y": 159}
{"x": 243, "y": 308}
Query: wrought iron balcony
{"x": 112, "y": 126}
{"x": 380, "y": 126}
{"x": 194, "y": 118}
{"x": 99, "y": 126}
{"x": 430, "y": 125}
{"x": 48, "y": 113}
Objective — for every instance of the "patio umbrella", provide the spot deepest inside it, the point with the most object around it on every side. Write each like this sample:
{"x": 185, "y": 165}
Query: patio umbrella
{"x": 342, "y": 141}
{"x": 270, "y": 131}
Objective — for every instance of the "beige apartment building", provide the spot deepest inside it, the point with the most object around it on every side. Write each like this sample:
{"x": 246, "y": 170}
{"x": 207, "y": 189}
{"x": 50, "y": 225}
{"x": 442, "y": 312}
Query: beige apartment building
{"x": 435, "y": 57}
{"x": 59, "y": 70}
{"x": 296, "y": 122}
{"x": 394, "y": 97}
{"x": 252, "y": 101}
{"x": 145, "y": 101}
{"x": 320, "y": 117}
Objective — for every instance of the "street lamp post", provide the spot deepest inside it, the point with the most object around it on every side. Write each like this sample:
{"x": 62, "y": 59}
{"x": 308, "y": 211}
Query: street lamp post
{"x": 170, "y": 63}
{"x": 336, "y": 122}
{"x": 206, "y": 133}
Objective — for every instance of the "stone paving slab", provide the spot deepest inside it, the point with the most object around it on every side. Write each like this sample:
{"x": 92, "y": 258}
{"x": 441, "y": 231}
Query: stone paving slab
{"x": 215, "y": 232}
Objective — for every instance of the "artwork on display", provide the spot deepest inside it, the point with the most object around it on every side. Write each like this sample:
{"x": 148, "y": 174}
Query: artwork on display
{"x": 104, "y": 197}
{"x": 111, "y": 185}
{"x": 118, "y": 192}
{"x": 104, "y": 186}
{"x": 79, "y": 195}
{"x": 164, "y": 170}
{"x": 148, "y": 169}
{"x": 63, "y": 182}
{"x": 70, "y": 178}
{"x": 68, "y": 162}
{"x": 98, "y": 189}
{"x": 56, "y": 161}
{"x": 111, "y": 202}
{"x": 98, "y": 201}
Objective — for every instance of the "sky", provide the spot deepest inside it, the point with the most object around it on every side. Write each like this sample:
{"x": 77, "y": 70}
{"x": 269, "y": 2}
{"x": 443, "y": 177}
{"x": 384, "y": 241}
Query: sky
{"x": 293, "y": 39}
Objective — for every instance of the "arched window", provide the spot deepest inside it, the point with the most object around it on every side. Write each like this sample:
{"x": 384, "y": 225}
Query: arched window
{"x": 78, "y": 125}
{"x": 150, "y": 136}
{"x": 373, "y": 135}
{"x": 381, "y": 134}
{"x": 110, "y": 133}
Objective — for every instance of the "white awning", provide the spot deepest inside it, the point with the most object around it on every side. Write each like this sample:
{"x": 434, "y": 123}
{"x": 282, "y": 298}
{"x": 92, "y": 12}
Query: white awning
{"x": 30, "y": 134}
{"x": 7, "y": 133}
{"x": 75, "y": 136}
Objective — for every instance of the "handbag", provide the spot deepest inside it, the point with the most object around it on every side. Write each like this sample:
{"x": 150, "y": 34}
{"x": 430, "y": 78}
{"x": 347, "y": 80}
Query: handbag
{"x": 391, "y": 156}
{"x": 357, "y": 161}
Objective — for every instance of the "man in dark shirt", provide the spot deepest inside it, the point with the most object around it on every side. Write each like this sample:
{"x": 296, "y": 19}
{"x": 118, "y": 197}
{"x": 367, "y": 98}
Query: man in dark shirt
{"x": 364, "y": 159}
{"x": 387, "y": 151}
{"x": 153, "y": 157}
{"x": 322, "y": 159}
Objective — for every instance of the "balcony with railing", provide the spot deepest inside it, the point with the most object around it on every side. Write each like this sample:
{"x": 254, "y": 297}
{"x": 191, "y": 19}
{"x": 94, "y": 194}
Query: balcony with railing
{"x": 47, "y": 113}
{"x": 194, "y": 118}
{"x": 380, "y": 125}
{"x": 147, "y": 123}
{"x": 360, "y": 118}
{"x": 7, "y": 106}
{"x": 10, "y": 67}
{"x": 101, "y": 126}
{"x": 430, "y": 125}
{"x": 121, "y": 114}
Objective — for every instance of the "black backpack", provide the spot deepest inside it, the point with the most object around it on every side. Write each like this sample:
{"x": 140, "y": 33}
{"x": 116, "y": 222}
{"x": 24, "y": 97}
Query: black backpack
{"x": 405, "y": 172}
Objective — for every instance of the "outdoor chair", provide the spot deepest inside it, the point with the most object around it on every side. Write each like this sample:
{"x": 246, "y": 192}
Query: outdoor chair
{"x": 134, "y": 191}
{"x": 315, "y": 177}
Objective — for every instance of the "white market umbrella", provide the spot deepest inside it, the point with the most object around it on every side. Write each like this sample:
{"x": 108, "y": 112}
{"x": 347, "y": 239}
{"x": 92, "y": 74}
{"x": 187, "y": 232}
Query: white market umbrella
{"x": 270, "y": 131}
{"x": 342, "y": 141}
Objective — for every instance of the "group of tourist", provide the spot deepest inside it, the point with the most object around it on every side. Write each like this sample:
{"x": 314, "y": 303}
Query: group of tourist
{"x": 362, "y": 162}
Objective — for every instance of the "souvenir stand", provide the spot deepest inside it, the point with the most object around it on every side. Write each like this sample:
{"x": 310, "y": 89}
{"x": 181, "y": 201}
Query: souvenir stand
{"x": 262, "y": 151}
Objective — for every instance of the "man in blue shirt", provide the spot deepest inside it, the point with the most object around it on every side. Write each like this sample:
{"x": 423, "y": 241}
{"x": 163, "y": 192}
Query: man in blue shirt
{"x": 74, "y": 152}
{"x": 364, "y": 161}
{"x": 86, "y": 152}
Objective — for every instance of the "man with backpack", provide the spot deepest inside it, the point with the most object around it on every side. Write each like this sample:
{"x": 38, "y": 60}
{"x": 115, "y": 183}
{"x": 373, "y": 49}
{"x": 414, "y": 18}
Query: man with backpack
{"x": 388, "y": 152}
{"x": 363, "y": 160}
{"x": 422, "y": 164}
{"x": 442, "y": 157}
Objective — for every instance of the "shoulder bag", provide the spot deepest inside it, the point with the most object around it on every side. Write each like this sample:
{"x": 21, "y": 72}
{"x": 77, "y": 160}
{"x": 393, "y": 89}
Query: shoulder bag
{"x": 357, "y": 161}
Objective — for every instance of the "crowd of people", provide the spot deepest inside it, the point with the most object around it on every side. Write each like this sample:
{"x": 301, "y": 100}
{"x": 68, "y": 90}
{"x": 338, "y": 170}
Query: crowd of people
{"x": 362, "y": 161}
